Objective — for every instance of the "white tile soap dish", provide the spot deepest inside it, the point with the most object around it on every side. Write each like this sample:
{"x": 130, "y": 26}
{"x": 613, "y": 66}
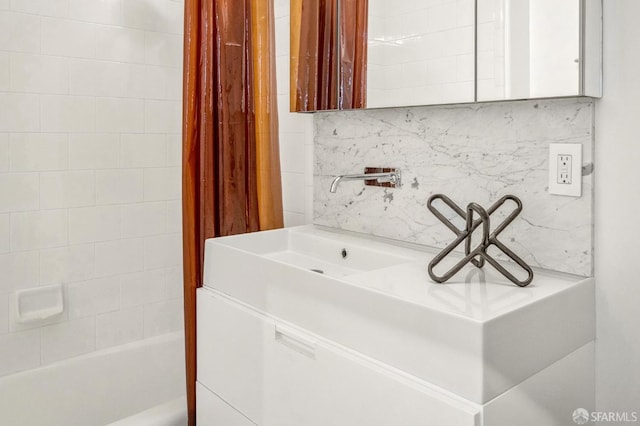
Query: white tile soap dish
{"x": 39, "y": 304}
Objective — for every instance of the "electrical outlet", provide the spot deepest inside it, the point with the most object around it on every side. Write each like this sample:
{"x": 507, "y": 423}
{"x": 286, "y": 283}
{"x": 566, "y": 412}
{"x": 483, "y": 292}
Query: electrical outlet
{"x": 565, "y": 169}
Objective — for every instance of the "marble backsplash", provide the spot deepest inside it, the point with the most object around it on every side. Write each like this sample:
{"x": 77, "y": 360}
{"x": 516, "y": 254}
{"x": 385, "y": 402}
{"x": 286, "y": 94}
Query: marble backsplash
{"x": 476, "y": 152}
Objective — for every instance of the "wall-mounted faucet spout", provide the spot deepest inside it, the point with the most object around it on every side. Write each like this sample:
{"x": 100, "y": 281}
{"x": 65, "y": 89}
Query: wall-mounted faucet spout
{"x": 379, "y": 179}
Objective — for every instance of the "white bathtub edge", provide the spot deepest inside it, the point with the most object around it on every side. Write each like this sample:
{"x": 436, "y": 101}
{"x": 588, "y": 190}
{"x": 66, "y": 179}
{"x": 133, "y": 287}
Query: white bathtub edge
{"x": 171, "y": 413}
{"x": 96, "y": 388}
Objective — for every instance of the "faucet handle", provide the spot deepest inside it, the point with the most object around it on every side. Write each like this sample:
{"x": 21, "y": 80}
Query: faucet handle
{"x": 393, "y": 180}
{"x": 373, "y": 176}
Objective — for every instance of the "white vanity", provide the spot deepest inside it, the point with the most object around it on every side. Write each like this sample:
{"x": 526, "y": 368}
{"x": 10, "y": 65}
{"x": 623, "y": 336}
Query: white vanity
{"x": 371, "y": 340}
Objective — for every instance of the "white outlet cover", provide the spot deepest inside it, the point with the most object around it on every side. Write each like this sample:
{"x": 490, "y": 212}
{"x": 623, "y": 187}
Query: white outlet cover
{"x": 574, "y": 189}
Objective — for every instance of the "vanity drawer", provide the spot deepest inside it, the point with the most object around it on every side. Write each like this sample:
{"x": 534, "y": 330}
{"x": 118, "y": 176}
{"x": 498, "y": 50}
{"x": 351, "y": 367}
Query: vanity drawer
{"x": 279, "y": 375}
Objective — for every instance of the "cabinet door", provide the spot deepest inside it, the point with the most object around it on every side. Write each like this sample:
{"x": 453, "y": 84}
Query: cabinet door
{"x": 231, "y": 353}
{"x": 334, "y": 387}
{"x": 279, "y": 375}
{"x": 538, "y": 49}
{"x": 420, "y": 53}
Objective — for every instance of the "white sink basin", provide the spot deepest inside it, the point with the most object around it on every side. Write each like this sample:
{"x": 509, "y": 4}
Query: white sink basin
{"x": 476, "y": 335}
{"x": 320, "y": 251}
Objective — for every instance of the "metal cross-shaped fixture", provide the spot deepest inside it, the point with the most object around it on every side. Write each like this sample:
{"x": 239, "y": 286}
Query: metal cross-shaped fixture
{"x": 479, "y": 255}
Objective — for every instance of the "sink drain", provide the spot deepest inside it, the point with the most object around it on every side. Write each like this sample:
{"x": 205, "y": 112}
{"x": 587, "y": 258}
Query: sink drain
{"x": 320, "y": 271}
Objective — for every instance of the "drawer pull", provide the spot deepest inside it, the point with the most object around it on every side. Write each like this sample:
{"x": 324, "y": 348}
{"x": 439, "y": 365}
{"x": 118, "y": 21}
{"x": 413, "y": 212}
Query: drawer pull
{"x": 295, "y": 341}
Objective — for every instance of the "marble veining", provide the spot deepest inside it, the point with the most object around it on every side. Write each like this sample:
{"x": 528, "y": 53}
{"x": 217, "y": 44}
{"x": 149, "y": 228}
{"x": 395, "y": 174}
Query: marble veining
{"x": 471, "y": 153}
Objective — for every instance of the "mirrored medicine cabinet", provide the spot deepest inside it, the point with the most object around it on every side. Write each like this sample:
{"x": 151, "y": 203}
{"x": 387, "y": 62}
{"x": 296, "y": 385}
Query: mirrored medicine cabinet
{"x": 354, "y": 54}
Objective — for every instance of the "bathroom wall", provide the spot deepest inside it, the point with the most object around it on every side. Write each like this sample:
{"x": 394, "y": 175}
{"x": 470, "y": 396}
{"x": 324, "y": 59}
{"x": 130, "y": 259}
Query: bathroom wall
{"x": 90, "y": 98}
{"x": 296, "y": 134}
{"x": 617, "y": 156}
{"x": 470, "y": 153}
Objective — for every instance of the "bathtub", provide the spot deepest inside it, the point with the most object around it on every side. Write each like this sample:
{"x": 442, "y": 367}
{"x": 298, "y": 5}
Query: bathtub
{"x": 143, "y": 382}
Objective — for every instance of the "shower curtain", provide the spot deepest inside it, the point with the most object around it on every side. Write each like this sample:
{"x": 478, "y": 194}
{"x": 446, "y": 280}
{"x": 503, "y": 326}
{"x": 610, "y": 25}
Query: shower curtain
{"x": 353, "y": 54}
{"x": 329, "y": 54}
{"x": 231, "y": 166}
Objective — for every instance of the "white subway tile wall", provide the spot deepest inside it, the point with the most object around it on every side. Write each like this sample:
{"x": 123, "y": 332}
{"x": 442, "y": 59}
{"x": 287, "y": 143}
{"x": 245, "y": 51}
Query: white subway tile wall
{"x": 19, "y": 270}
{"x": 120, "y": 327}
{"x": 141, "y": 288}
{"x": 5, "y": 234}
{"x": 90, "y": 146}
{"x": 4, "y": 314}
{"x": 19, "y": 351}
{"x": 162, "y": 317}
{"x": 24, "y": 199}
{"x": 4, "y": 149}
{"x": 119, "y": 257}
{"x": 19, "y": 111}
{"x": 96, "y": 296}
{"x": 296, "y": 133}
{"x": 39, "y": 230}
{"x": 67, "y": 189}
{"x": 67, "y": 339}
{"x": 4, "y": 71}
